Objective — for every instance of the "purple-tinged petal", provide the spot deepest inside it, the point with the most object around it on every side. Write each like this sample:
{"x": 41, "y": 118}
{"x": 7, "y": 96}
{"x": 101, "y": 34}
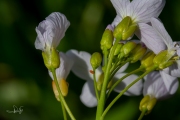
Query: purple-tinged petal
{"x": 170, "y": 82}
{"x": 116, "y": 21}
{"x": 123, "y": 68}
{"x": 51, "y": 31}
{"x": 173, "y": 70}
{"x": 154, "y": 86}
{"x": 121, "y": 7}
{"x": 161, "y": 31}
{"x": 143, "y": 10}
{"x": 150, "y": 38}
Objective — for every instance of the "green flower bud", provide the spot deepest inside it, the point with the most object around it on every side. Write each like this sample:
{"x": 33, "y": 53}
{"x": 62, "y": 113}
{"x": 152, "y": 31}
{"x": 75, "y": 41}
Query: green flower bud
{"x": 118, "y": 48}
{"x": 129, "y": 32}
{"x": 147, "y": 103}
{"x": 96, "y": 60}
{"x": 137, "y": 53}
{"x": 128, "y": 47}
{"x": 147, "y": 60}
{"x": 162, "y": 59}
{"x": 51, "y": 58}
{"x": 107, "y": 39}
{"x": 100, "y": 81}
{"x": 121, "y": 27}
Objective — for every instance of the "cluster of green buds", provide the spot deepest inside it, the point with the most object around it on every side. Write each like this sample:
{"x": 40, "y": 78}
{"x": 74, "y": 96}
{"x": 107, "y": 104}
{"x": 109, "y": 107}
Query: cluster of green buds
{"x": 160, "y": 61}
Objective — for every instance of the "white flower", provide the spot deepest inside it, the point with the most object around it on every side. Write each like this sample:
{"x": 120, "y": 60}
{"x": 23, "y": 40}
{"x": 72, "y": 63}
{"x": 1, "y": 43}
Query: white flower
{"x": 160, "y": 85}
{"x": 173, "y": 70}
{"x": 140, "y": 11}
{"x": 51, "y": 31}
{"x": 61, "y": 73}
{"x": 156, "y": 38}
{"x": 82, "y": 68}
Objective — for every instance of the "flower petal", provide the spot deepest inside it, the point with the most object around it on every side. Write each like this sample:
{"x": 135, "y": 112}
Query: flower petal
{"x": 121, "y": 7}
{"x": 161, "y": 31}
{"x": 157, "y": 87}
{"x": 173, "y": 70}
{"x": 59, "y": 26}
{"x": 51, "y": 30}
{"x": 116, "y": 21}
{"x": 65, "y": 66}
{"x": 136, "y": 89}
{"x": 88, "y": 97}
{"x": 150, "y": 38}
{"x": 170, "y": 82}
{"x": 143, "y": 10}
{"x": 40, "y": 42}
{"x": 154, "y": 86}
{"x": 82, "y": 65}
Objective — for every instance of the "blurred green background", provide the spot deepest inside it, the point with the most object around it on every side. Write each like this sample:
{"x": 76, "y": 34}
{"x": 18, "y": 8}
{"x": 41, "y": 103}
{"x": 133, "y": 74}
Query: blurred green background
{"x": 24, "y": 80}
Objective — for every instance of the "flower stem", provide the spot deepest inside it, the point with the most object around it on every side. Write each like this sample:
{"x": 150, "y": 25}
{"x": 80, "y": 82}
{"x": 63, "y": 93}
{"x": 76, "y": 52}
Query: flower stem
{"x": 95, "y": 85}
{"x": 121, "y": 79}
{"x": 122, "y": 92}
{"x": 63, "y": 102}
{"x": 142, "y": 114}
{"x": 101, "y": 103}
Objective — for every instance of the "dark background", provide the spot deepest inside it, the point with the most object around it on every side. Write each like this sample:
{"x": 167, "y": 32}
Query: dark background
{"x": 24, "y": 80}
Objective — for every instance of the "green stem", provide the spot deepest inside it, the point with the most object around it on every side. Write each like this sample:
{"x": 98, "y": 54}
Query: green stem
{"x": 95, "y": 85}
{"x": 63, "y": 102}
{"x": 101, "y": 103}
{"x": 121, "y": 79}
{"x": 64, "y": 111}
{"x": 142, "y": 114}
{"x": 118, "y": 67}
{"x": 105, "y": 57}
{"x": 122, "y": 92}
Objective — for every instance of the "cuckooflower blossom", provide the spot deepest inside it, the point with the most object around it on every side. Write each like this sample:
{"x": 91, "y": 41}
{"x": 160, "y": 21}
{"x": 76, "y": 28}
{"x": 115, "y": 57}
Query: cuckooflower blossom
{"x": 82, "y": 68}
{"x": 151, "y": 34}
{"x": 62, "y": 72}
{"x": 51, "y": 31}
{"x": 140, "y": 11}
{"x": 160, "y": 85}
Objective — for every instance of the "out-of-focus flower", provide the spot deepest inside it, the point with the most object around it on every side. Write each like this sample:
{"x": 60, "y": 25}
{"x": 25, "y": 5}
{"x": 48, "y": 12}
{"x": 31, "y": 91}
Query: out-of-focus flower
{"x": 82, "y": 68}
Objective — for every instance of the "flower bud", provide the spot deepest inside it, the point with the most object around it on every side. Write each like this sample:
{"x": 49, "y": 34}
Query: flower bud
{"x": 64, "y": 87}
{"x": 137, "y": 53}
{"x": 51, "y": 58}
{"x": 96, "y": 60}
{"x": 100, "y": 81}
{"x": 121, "y": 27}
{"x": 129, "y": 32}
{"x": 107, "y": 39}
{"x": 147, "y": 60}
{"x": 118, "y": 48}
{"x": 128, "y": 47}
{"x": 147, "y": 103}
{"x": 162, "y": 59}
